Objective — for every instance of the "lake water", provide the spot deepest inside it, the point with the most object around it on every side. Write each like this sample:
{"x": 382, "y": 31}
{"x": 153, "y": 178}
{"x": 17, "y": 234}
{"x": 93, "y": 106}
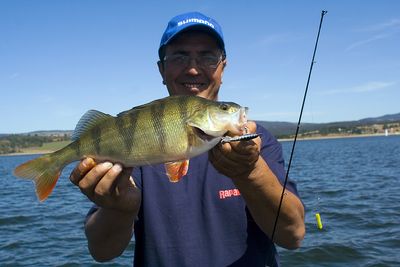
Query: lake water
{"x": 354, "y": 183}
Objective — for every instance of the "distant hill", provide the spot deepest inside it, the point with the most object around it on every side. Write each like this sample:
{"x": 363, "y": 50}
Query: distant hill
{"x": 384, "y": 118}
{"x": 50, "y": 133}
{"x": 363, "y": 126}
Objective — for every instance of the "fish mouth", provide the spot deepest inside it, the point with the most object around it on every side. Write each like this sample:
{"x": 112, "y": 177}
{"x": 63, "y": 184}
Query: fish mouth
{"x": 238, "y": 123}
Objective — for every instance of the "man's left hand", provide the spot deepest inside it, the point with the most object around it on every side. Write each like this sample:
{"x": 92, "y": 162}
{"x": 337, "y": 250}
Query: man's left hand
{"x": 237, "y": 159}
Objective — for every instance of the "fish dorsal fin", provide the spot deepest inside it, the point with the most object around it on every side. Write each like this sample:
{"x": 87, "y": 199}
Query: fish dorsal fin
{"x": 132, "y": 110}
{"x": 88, "y": 120}
{"x": 137, "y": 108}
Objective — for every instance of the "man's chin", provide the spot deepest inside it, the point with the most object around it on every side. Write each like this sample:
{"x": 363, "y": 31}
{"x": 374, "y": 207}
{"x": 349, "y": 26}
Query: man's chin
{"x": 194, "y": 90}
{"x": 198, "y": 91}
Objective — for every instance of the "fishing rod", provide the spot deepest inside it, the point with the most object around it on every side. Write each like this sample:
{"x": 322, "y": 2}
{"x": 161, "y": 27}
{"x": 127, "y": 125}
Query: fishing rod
{"x": 298, "y": 127}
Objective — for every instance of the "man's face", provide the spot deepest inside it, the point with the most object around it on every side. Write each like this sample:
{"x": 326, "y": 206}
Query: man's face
{"x": 195, "y": 78}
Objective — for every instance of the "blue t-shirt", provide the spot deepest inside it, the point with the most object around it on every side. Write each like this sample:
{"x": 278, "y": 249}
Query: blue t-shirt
{"x": 202, "y": 220}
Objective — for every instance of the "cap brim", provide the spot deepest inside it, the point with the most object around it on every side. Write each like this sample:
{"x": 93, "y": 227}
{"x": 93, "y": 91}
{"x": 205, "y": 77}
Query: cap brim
{"x": 195, "y": 27}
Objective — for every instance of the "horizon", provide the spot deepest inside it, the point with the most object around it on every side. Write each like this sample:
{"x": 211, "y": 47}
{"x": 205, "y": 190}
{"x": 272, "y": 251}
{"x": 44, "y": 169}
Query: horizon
{"x": 292, "y": 122}
{"x": 62, "y": 58}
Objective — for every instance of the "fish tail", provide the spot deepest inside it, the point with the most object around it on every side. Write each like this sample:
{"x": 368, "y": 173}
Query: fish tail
{"x": 44, "y": 171}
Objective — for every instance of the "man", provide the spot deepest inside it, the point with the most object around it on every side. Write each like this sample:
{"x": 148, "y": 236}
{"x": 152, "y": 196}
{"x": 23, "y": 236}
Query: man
{"x": 222, "y": 212}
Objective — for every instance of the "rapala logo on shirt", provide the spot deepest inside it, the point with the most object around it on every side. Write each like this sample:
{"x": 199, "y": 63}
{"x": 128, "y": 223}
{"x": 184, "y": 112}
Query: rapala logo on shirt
{"x": 229, "y": 193}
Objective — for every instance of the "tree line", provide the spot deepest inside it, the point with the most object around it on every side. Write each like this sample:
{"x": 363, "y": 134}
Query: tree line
{"x": 15, "y": 143}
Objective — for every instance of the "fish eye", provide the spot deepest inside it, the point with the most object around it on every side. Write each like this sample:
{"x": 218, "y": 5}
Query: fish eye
{"x": 224, "y": 107}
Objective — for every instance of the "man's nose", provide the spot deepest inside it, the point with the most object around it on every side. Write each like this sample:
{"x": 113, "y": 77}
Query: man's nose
{"x": 193, "y": 68}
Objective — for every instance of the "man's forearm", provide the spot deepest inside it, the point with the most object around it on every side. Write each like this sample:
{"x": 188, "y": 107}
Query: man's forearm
{"x": 262, "y": 191}
{"x": 108, "y": 233}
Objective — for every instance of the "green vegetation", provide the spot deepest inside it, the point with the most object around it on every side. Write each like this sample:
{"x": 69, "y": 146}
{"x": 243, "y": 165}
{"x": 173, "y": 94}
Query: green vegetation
{"x": 16, "y": 143}
{"x": 353, "y": 130}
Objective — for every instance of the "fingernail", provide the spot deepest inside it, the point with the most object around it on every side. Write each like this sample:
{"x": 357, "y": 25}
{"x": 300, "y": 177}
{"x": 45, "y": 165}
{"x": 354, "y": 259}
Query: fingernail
{"x": 85, "y": 162}
{"x": 107, "y": 164}
{"x": 117, "y": 167}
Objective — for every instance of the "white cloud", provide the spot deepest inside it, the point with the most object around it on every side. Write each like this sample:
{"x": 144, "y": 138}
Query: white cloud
{"x": 372, "y": 86}
{"x": 367, "y": 87}
{"x": 367, "y": 41}
{"x": 390, "y": 24}
{"x": 380, "y": 31}
{"x": 273, "y": 39}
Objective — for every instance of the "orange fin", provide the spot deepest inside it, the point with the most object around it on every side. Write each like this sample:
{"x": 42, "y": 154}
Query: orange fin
{"x": 43, "y": 172}
{"x": 176, "y": 170}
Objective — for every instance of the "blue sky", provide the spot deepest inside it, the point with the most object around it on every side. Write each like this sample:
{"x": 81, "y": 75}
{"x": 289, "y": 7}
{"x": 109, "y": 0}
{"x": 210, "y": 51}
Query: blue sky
{"x": 59, "y": 59}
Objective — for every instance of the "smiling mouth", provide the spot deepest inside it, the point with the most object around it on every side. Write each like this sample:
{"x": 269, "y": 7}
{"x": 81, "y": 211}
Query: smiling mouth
{"x": 193, "y": 85}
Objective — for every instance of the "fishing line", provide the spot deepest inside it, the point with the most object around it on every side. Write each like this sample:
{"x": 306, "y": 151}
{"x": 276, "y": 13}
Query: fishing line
{"x": 297, "y": 129}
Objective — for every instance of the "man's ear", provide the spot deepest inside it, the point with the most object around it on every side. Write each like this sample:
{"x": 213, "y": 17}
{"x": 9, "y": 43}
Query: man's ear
{"x": 161, "y": 69}
{"x": 224, "y": 62}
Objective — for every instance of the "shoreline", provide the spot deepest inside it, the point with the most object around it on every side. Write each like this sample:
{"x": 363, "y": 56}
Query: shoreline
{"x": 37, "y": 152}
{"x": 336, "y": 137}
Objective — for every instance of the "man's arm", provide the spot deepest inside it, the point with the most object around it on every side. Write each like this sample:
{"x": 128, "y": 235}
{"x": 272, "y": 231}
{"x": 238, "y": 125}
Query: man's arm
{"x": 108, "y": 229}
{"x": 241, "y": 161}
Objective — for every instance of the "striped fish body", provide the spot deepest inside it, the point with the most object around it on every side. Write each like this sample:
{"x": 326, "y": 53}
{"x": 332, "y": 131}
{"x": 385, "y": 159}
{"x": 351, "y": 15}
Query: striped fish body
{"x": 169, "y": 130}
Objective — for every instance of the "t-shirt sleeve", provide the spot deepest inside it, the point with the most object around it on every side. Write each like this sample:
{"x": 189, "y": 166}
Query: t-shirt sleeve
{"x": 271, "y": 152}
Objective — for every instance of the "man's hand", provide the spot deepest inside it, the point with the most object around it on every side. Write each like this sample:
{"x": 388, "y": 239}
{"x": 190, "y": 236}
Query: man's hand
{"x": 261, "y": 189}
{"x": 108, "y": 186}
{"x": 109, "y": 229}
{"x": 237, "y": 159}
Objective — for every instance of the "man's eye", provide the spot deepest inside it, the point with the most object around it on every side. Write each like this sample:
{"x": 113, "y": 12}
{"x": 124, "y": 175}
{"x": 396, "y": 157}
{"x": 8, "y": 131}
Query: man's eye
{"x": 208, "y": 59}
{"x": 179, "y": 58}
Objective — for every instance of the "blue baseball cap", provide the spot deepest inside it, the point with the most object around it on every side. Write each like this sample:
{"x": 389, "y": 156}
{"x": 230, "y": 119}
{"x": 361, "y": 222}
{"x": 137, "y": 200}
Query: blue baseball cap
{"x": 191, "y": 20}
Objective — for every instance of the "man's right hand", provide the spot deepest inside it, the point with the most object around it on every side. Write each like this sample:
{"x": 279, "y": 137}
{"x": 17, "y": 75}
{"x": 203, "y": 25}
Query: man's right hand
{"x": 111, "y": 188}
{"x": 108, "y": 185}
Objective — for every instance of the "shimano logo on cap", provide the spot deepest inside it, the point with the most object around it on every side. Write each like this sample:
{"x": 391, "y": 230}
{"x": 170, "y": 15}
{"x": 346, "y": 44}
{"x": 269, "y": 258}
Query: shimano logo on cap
{"x": 194, "y": 20}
